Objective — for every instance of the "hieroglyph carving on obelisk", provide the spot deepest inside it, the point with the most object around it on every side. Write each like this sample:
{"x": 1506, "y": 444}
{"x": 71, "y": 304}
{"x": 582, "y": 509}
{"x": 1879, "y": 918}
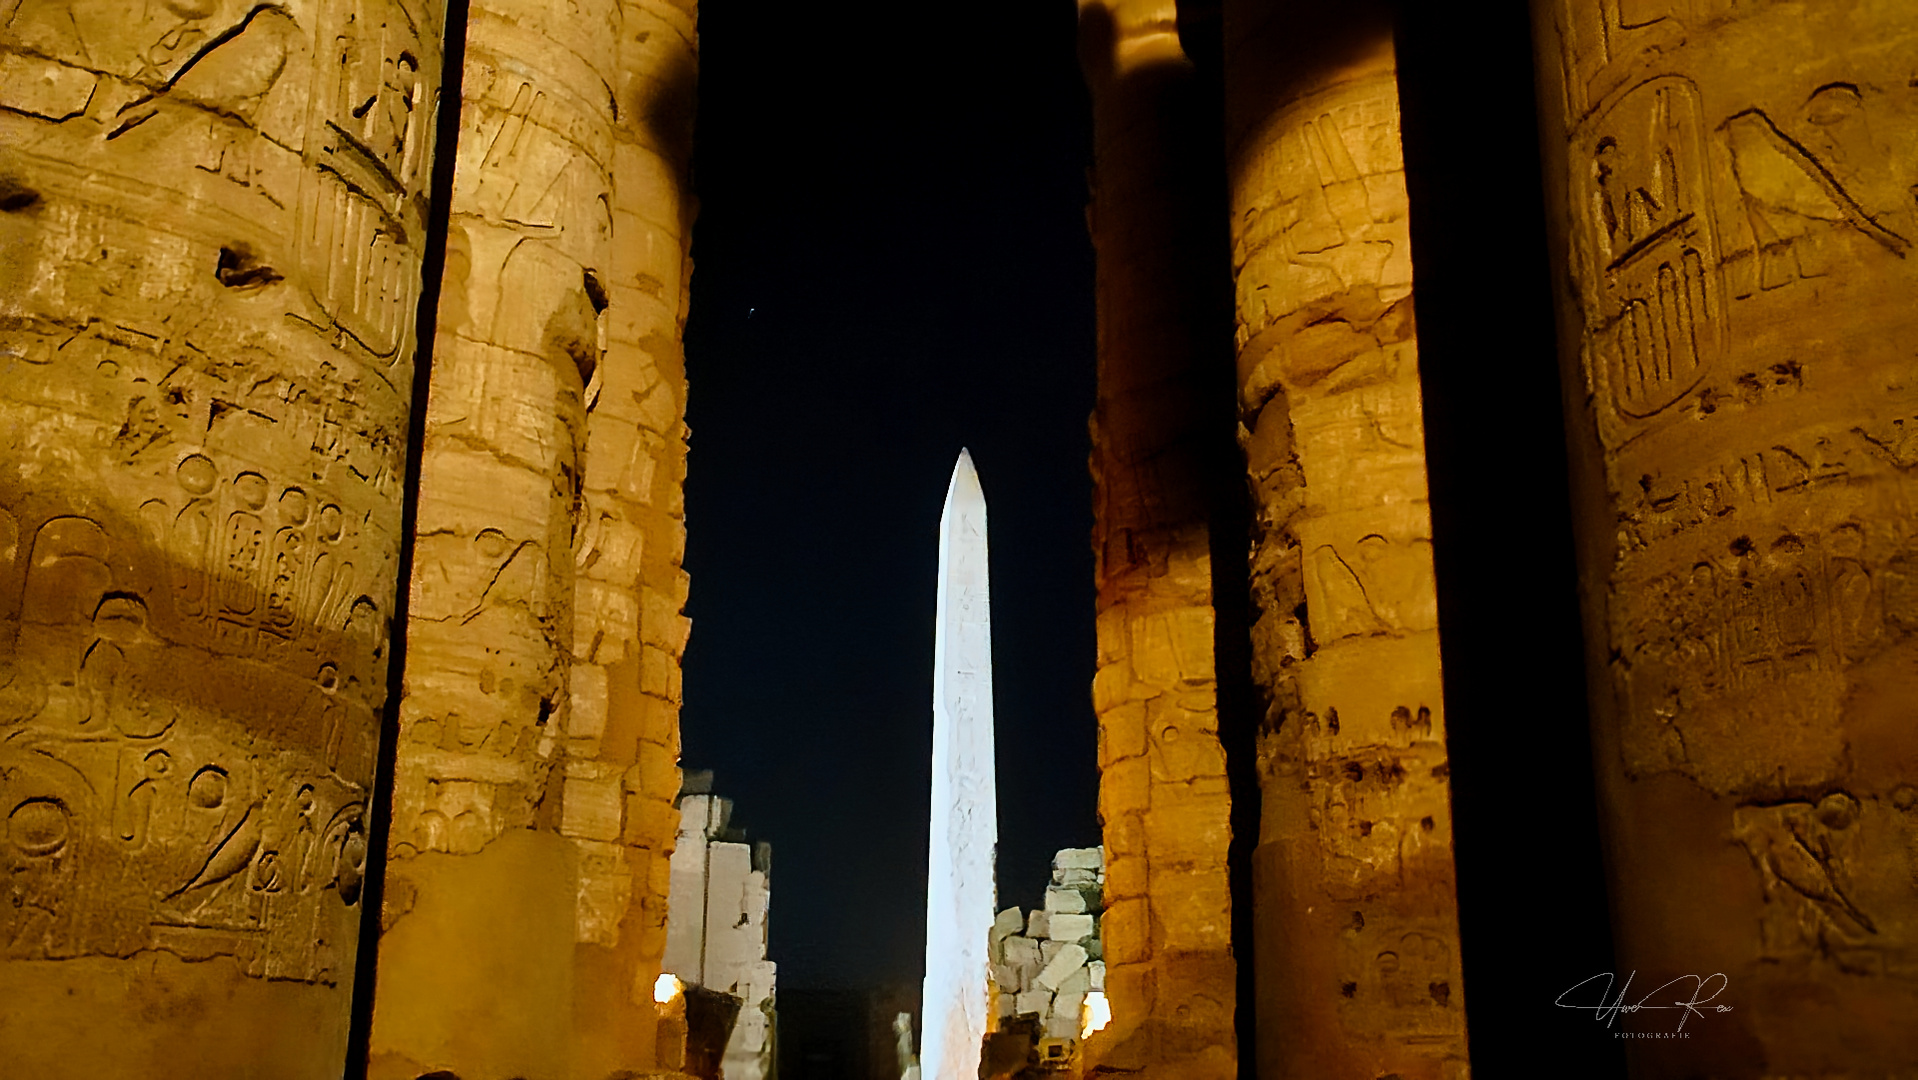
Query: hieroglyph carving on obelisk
{"x": 960, "y": 891}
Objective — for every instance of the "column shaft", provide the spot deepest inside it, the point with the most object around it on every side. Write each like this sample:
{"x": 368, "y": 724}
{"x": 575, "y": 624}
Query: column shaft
{"x": 1164, "y": 798}
{"x": 211, "y": 219}
{"x": 480, "y": 890}
{"x": 533, "y": 806}
{"x": 629, "y": 630}
{"x": 1731, "y": 187}
{"x": 1357, "y": 936}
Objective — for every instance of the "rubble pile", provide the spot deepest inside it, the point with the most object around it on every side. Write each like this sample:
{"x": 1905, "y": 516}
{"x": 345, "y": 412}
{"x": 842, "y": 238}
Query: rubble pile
{"x": 1046, "y": 962}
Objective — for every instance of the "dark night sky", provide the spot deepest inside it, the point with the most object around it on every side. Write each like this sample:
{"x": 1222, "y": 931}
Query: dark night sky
{"x": 891, "y": 262}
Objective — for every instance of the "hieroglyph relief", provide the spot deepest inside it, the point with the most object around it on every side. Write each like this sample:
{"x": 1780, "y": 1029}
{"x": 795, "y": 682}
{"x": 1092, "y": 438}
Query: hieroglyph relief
{"x": 211, "y": 231}
{"x": 1657, "y": 328}
{"x": 1741, "y": 246}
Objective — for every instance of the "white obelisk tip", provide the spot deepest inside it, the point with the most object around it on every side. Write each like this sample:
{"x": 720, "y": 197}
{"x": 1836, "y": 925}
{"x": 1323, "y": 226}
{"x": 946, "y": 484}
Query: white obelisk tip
{"x": 965, "y": 481}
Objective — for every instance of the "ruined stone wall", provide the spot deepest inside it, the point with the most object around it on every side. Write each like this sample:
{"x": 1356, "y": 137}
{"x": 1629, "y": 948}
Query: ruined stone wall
{"x": 716, "y": 927}
{"x": 1357, "y": 937}
{"x": 211, "y": 219}
{"x": 1163, "y": 794}
{"x": 539, "y": 735}
{"x": 1044, "y": 963}
{"x": 1732, "y": 195}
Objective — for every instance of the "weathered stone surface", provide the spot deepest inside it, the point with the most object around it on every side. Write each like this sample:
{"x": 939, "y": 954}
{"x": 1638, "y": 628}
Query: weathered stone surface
{"x": 210, "y": 238}
{"x": 1161, "y": 367}
{"x": 1061, "y": 926}
{"x": 542, "y": 675}
{"x": 1062, "y": 901}
{"x": 1008, "y": 922}
{"x": 1354, "y": 861}
{"x": 1730, "y": 189}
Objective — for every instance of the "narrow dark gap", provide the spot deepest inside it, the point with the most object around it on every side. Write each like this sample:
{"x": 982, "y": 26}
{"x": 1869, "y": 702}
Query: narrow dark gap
{"x": 1201, "y": 36}
{"x": 432, "y": 266}
{"x": 1531, "y": 889}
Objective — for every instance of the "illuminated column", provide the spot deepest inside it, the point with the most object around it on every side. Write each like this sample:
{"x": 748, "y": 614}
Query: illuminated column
{"x": 1357, "y": 935}
{"x": 211, "y": 221}
{"x": 480, "y": 892}
{"x": 533, "y": 801}
{"x": 629, "y": 589}
{"x": 1732, "y": 201}
{"x": 1163, "y": 794}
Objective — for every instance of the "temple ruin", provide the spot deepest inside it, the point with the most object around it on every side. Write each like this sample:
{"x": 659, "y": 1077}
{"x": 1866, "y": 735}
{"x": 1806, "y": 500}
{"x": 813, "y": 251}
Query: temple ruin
{"x": 342, "y": 530}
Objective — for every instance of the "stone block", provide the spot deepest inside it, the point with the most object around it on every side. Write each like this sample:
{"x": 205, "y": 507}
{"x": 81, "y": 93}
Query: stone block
{"x": 1009, "y": 922}
{"x": 658, "y": 772}
{"x": 1078, "y": 982}
{"x": 1174, "y": 647}
{"x": 1096, "y": 972}
{"x": 1064, "y": 1021}
{"x": 1036, "y": 925}
{"x": 591, "y": 807}
{"x": 1126, "y": 877}
{"x": 1067, "y": 960}
{"x": 1122, "y": 732}
{"x": 1193, "y": 911}
{"x": 1063, "y": 900}
{"x": 1032, "y": 1002}
{"x": 650, "y": 821}
{"x": 1113, "y": 687}
{"x": 1078, "y": 877}
{"x": 587, "y": 717}
{"x": 1133, "y": 990}
{"x": 1185, "y": 748}
{"x": 1125, "y": 832}
{"x": 1189, "y": 829}
{"x": 1125, "y": 786}
{"x": 1069, "y": 927}
{"x": 1087, "y": 858}
{"x": 1021, "y": 950}
{"x": 1126, "y": 930}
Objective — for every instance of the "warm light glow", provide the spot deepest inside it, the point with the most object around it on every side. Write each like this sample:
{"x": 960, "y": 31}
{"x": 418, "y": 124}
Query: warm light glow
{"x": 667, "y": 987}
{"x": 1094, "y": 1014}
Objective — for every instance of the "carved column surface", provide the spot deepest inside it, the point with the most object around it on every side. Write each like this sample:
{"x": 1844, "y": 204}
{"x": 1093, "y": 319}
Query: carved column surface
{"x": 1163, "y": 797}
{"x": 211, "y": 215}
{"x": 517, "y": 347}
{"x": 538, "y": 755}
{"x": 1732, "y": 188}
{"x": 630, "y": 590}
{"x": 1357, "y": 934}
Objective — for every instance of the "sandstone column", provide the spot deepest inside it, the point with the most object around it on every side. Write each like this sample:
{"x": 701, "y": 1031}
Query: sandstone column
{"x": 629, "y": 633}
{"x": 1163, "y": 793}
{"x": 474, "y": 900}
{"x": 1732, "y": 188}
{"x": 532, "y": 800}
{"x": 1357, "y": 935}
{"x": 211, "y": 216}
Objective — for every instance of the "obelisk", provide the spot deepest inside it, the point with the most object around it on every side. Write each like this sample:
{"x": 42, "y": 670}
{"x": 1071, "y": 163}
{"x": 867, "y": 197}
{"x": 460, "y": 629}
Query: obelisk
{"x": 960, "y": 891}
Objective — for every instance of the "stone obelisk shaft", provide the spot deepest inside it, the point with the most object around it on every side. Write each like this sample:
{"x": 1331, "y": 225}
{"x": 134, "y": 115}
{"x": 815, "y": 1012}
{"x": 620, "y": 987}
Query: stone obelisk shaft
{"x": 960, "y": 891}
